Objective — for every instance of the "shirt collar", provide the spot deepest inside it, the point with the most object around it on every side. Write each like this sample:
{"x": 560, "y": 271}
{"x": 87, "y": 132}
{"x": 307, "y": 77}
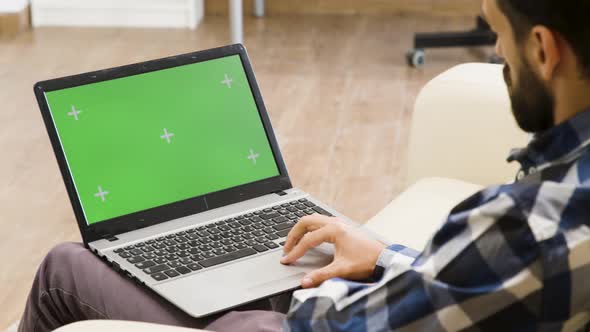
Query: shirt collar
{"x": 561, "y": 142}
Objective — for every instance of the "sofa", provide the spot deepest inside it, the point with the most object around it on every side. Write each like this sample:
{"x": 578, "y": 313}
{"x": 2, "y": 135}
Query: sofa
{"x": 462, "y": 131}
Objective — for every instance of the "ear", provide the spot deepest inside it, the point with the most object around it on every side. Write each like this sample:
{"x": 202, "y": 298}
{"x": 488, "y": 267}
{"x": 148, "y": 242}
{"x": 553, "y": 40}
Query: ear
{"x": 546, "y": 50}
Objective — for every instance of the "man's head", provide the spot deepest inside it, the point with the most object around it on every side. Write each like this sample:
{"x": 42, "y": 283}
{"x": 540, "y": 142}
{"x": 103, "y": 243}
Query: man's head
{"x": 546, "y": 45}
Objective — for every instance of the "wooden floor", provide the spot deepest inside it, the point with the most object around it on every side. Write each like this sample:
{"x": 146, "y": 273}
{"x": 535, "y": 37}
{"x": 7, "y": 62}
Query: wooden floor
{"x": 337, "y": 88}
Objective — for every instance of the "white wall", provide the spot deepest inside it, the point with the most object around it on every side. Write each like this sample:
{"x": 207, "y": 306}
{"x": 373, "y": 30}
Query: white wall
{"x": 118, "y": 13}
{"x": 13, "y": 6}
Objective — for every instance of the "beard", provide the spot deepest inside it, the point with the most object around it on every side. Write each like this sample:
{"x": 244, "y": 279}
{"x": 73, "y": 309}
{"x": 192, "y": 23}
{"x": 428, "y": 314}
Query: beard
{"x": 532, "y": 103}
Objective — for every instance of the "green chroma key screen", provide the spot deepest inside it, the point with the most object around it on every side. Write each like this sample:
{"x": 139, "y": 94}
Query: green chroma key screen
{"x": 152, "y": 139}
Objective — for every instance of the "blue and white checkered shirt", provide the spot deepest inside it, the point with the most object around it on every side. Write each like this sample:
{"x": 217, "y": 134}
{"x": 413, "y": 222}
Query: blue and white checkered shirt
{"x": 513, "y": 257}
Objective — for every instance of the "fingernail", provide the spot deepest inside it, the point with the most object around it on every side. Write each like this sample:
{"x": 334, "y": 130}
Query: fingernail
{"x": 284, "y": 260}
{"x": 307, "y": 281}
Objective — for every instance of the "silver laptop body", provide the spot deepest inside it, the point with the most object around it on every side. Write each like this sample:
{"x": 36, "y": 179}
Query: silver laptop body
{"x": 209, "y": 251}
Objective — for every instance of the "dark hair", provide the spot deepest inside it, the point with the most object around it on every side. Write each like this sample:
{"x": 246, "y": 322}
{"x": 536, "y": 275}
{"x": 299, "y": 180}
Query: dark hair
{"x": 567, "y": 17}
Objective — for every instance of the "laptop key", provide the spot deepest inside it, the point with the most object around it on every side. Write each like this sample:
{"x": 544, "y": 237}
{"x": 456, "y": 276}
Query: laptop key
{"x": 240, "y": 246}
{"x": 135, "y": 259}
{"x": 183, "y": 254}
{"x": 283, "y": 233}
{"x": 322, "y": 211}
{"x": 282, "y": 226}
{"x": 135, "y": 252}
{"x": 271, "y": 245}
{"x": 170, "y": 242}
{"x": 280, "y": 219}
{"x": 171, "y": 257}
{"x": 145, "y": 264}
{"x": 260, "y": 248}
{"x": 185, "y": 260}
{"x": 197, "y": 258}
{"x": 271, "y": 236}
{"x": 172, "y": 273}
{"x": 219, "y": 251}
{"x": 160, "y": 253}
{"x": 194, "y": 266}
{"x": 174, "y": 264}
{"x": 183, "y": 270}
{"x": 228, "y": 257}
{"x": 160, "y": 260}
{"x": 270, "y": 215}
{"x": 147, "y": 248}
{"x": 229, "y": 248}
{"x": 125, "y": 255}
{"x": 156, "y": 269}
{"x": 118, "y": 250}
{"x": 149, "y": 256}
{"x": 159, "y": 276}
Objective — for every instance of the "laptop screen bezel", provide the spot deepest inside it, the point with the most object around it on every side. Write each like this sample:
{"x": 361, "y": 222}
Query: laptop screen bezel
{"x": 126, "y": 223}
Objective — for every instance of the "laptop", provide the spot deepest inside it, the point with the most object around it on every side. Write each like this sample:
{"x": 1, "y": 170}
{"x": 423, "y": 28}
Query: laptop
{"x": 176, "y": 178}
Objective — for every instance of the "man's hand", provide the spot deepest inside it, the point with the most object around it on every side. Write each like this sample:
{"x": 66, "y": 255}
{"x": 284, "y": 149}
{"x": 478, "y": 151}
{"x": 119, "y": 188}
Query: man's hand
{"x": 355, "y": 255}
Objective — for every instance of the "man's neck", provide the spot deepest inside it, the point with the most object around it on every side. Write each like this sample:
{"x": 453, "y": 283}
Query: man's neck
{"x": 571, "y": 99}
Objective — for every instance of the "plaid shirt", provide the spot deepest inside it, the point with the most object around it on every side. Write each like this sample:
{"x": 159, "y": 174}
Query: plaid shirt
{"x": 511, "y": 257}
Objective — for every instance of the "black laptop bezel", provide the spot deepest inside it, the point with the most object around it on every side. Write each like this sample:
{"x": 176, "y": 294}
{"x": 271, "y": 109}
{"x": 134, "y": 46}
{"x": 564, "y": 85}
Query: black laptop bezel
{"x": 108, "y": 229}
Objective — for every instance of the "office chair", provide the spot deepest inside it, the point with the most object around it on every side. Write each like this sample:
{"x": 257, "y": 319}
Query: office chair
{"x": 482, "y": 35}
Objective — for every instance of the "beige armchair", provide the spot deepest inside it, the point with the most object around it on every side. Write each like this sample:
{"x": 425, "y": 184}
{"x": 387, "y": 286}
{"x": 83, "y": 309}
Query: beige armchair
{"x": 461, "y": 134}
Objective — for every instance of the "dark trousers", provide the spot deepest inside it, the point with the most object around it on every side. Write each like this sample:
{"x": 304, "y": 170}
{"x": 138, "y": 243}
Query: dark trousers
{"x": 72, "y": 285}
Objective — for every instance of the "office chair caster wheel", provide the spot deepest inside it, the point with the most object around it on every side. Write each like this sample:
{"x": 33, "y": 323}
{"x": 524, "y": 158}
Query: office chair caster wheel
{"x": 415, "y": 58}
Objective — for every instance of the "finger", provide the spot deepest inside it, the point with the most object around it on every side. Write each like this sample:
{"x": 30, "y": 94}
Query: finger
{"x": 310, "y": 240}
{"x": 317, "y": 277}
{"x": 305, "y": 225}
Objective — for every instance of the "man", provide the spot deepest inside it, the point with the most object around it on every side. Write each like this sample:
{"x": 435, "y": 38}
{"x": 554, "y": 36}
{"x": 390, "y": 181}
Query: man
{"x": 512, "y": 257}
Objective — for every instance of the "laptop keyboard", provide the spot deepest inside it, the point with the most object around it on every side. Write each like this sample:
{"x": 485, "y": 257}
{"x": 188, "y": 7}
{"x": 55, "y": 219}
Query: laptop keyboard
{"x": 202, "y": 247}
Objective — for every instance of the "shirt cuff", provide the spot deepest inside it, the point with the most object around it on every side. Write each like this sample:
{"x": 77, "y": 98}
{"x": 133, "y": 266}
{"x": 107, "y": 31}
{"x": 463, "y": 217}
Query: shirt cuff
{"x": 393, "y": 255}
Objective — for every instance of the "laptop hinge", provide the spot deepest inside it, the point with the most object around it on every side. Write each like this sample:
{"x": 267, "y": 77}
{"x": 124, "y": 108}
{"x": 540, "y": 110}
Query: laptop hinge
{"x": 110, "y": 238}
{"x": 280, "y": 193}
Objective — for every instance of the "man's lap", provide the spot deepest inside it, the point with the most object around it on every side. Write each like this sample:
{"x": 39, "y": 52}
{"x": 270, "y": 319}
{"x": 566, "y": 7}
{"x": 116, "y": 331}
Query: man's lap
{"x": 91, "y": 285}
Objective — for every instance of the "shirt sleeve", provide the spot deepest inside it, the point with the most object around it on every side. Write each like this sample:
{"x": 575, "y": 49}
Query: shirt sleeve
{"x": 478, "y": 264}
{"x": 394, "y": 256}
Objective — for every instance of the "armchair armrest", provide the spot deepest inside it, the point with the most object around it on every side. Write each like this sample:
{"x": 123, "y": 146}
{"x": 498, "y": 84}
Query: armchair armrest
{"x": 414, "y": 216}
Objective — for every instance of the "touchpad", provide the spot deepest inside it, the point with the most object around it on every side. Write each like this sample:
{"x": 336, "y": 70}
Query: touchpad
{"x": 276, "y": 286}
